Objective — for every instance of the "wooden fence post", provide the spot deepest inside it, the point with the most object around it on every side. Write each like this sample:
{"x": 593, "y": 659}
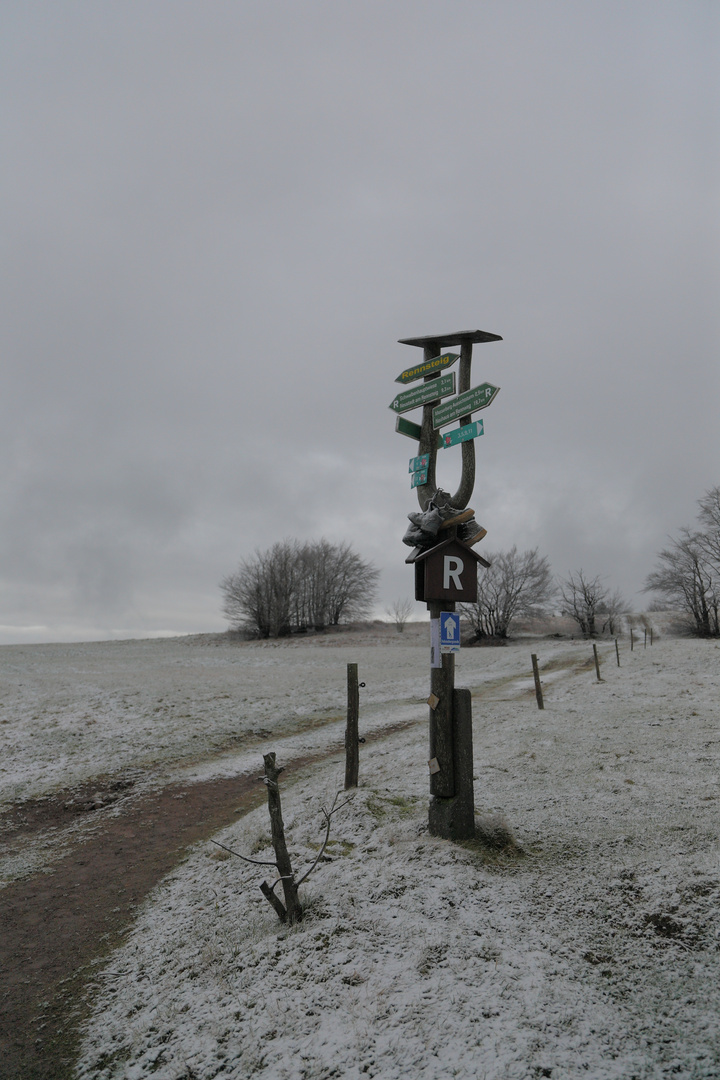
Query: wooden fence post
{"x": 617, "y": 651}
{"x": 352, "y": 742}
{"x": 536, "y": 675}
{"x": 597, "y": 662}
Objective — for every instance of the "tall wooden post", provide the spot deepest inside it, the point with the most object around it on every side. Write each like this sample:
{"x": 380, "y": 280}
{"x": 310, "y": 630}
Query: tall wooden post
{"x": 352, "y": 742}
{"x": 536, "y": 676}
{"x": 452, "y": 807}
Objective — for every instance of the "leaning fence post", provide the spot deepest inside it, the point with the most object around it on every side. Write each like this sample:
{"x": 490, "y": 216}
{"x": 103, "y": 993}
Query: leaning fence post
{"x": 536, "y": 675}
{"x": 597, "y": 662}
{"x": 617, "y": 652}
{"x": 352, "y": 745}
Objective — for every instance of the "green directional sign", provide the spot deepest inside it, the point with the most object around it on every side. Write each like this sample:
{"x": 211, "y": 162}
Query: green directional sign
{"x": 469, "y": 402}
{"x": 463, "y": 434}
{"x": 419, "y": 463}
{"x": 420, "y": 395}
{"x": 439, "y": 363}
{"x": 413, "y": 431}
{"x": 418, "y": 478}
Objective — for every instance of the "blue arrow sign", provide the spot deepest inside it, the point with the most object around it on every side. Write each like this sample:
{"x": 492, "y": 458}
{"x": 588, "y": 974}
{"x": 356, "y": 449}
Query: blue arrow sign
{"x": 449, "y": 632}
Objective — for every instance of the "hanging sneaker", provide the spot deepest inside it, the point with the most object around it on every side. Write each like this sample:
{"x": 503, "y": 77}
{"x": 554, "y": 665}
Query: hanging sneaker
{"x": 429, "y": 520}
{"x": 415, "y": 537}
{"x": 470, "y": 532}
{"x": 457, "y": 517}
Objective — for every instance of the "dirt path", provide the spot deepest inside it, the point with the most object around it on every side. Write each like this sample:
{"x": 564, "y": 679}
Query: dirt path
{"x": 57, "y": 926}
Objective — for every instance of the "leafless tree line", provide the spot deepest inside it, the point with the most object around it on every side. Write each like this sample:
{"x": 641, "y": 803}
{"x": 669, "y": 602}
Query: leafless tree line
{"x": 591, "y": 604}
{"x": 687, "y": 576}
{"x": 514, "y": 585}
{"x": 521, "y": 585}
{"x": 292, "y": 586}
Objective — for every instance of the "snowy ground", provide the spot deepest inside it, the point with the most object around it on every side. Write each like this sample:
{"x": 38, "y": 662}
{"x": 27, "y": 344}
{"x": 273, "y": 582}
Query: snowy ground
{"x": 159, "y": 710}
{"x": 595, "y": 952}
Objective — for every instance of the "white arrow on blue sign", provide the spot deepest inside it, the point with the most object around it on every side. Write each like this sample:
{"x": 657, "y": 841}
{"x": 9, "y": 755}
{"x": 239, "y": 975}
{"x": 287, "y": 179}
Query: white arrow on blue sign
{"x": 449, "y": 632}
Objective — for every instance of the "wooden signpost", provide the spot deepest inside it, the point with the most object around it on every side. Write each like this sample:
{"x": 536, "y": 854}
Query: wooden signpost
{"x": 446, "y": 571}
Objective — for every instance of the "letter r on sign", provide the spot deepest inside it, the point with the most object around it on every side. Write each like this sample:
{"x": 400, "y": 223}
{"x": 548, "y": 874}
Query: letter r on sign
{"x": 452, "y": 569}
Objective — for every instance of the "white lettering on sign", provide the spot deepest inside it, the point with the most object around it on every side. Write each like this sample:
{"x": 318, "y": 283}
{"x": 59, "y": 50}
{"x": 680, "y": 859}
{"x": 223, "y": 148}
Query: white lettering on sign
{"x": 452, "y": 568}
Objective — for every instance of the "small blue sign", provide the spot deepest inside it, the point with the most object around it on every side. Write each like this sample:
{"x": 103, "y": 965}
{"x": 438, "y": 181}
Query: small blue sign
{"x": 449, "y": 632}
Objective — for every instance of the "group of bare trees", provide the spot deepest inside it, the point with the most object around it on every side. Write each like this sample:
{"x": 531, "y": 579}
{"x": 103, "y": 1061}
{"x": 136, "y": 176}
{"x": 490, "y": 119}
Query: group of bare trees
{"x": 293, "y": 586}
{"x": 688, "y": 573}
{"x": 521, "y": 585}
{"x": 513, "y": 585}
{"x": 591, "y": 604}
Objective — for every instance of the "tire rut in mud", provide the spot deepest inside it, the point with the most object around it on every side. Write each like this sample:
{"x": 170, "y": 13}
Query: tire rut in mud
{"x": 57, "y": 926}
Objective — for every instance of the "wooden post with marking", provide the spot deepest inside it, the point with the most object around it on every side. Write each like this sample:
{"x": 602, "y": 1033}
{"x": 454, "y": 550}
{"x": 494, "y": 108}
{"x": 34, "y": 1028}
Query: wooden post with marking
{"x": 442, "y": 685}
{"x": 446, "y": 574}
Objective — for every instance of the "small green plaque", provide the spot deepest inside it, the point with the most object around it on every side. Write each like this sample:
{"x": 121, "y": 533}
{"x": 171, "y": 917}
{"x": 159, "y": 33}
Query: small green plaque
{"x": 463, "y": 434}
{"x": 419, "y": 463}
{"x": 413, "y": 431}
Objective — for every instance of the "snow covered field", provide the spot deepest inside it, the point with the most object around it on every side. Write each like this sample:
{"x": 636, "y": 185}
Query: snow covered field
{"x": 595, "y": 951}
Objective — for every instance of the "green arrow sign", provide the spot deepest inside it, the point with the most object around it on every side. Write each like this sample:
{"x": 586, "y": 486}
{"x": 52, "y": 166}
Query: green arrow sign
{"x": 420, "y": 395}
{"x": 463, "y": 434}
{"x": 417, "y": 464}
{"x": 411, "y": 374}
{"x": 418, "y": 478}
{"x": 469, "y": 402}
{"x": 413, "y": 431}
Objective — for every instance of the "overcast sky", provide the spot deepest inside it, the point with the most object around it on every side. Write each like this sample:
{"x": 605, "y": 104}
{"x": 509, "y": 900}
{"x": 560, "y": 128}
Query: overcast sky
{"x": 218, "y": 219}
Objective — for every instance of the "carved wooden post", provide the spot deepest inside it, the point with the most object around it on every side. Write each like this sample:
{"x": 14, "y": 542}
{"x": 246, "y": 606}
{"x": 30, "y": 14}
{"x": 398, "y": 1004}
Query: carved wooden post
{"x": 451, "y": 812}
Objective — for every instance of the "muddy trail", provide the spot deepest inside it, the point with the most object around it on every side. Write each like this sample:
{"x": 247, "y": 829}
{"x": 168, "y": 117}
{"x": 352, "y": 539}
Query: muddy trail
{"x": 57, "y": 926}
{"x": 60, "y": 925}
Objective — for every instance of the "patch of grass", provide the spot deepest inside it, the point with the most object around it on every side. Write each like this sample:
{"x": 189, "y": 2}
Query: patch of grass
{"x": 380, "y": 805}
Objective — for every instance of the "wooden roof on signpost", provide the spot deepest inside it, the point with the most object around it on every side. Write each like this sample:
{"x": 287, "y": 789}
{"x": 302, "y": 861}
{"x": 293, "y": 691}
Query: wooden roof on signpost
{"x": 419, "y": 554}
{"x": 458, "y": 337}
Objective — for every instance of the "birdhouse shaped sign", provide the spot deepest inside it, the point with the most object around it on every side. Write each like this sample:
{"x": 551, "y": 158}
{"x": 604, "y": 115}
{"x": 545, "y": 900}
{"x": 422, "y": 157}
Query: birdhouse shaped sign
{"x": 447, "y": 571}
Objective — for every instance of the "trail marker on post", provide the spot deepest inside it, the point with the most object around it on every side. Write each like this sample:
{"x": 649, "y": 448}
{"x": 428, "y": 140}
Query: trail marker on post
{"x": 462, "y": 434}
{"x": 446, "y": 570}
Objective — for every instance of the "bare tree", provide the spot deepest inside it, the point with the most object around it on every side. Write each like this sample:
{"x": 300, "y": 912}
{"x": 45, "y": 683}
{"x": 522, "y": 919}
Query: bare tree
{"x": 292, "y": 586}
{"x": 260, "y": 593}
{"x": 688, "y": 580}
{"x": 611, "y": 609}
{"x": 586, "y": 599}
{"x": 291, "y": 911}
{"x": 400, "y": 611}
{"x": 514, "y": 585}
